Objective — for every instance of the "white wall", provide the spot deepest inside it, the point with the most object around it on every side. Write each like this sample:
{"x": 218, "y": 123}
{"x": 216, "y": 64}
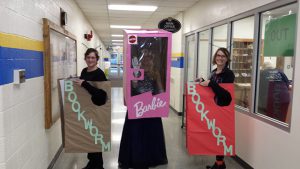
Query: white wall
{"x": 244, "y": 28}
{"x": 24, "y": 143}
{"x": 261, "y": 145}
{"x": 177, "y": 44}
{"x": 207, "y": 12}
{"x": 176, "y": 85}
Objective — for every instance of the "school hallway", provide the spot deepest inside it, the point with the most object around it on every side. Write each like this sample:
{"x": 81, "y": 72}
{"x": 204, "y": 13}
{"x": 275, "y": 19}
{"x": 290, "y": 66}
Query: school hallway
{"x": 161, "y": 49}
{"x": 178, "y": 156}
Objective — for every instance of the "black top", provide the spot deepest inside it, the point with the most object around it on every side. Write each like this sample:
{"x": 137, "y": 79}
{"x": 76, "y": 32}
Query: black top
{"x": 99, "y": 96}
{"x": 96, "y": 75}
{"x": 222, "y": 96}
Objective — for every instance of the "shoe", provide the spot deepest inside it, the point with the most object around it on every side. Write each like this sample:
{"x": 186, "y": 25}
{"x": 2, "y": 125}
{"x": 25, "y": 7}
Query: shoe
{"x": 89, "y": 166}
{"x": 120, "y": 166}
{"x": 216, "y": 166}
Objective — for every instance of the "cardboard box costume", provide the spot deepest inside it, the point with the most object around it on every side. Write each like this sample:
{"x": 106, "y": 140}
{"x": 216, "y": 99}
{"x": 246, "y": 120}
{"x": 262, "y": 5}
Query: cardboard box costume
{"x": 86, "y": 127}
{"x": 210, "y": 128}
{"x": 146, "y": 78}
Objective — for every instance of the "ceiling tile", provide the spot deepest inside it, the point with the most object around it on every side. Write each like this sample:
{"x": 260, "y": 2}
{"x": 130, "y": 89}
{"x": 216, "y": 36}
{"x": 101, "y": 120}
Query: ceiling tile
{"x": 82, "y": 3}
{"x": 101, "y": 18}
{"x": 134, "y": 2}
{"x": 168, "y": 9}
{"x": 178, "y": 4}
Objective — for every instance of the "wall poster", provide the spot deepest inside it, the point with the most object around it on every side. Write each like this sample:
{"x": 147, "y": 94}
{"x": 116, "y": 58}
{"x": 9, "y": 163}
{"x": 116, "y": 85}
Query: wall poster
{"x": 60, "y": 61}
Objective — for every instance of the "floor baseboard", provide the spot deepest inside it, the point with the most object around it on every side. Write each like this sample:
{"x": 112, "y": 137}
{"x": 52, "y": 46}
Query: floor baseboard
{"x": 51, "y": 165}
{"x": 244, "y": 164}
{"x": 178, "y": 113}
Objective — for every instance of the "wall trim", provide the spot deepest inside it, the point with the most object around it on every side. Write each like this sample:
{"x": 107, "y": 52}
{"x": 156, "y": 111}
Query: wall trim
{"x": 175, "y": 111}
{"x": 241, "y": 162}
{"x": 15, "y": 58}
{"x": 54, "y": 160}
{"x": 20, "y": 42}
{"x": 180, "y": 54}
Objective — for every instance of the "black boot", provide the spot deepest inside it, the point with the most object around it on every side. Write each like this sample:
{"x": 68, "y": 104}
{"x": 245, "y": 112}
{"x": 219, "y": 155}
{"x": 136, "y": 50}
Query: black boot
{"x": 88, "y": 166}
{"x": 216, "y": 166}
{"x": 91, "y": 166}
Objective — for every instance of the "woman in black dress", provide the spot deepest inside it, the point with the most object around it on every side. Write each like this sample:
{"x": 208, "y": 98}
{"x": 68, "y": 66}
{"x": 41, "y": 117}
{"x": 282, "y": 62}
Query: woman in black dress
{"x": 98, "y": 96}
{"x": 143, "y": 143}
{"x": 222, "y": 74}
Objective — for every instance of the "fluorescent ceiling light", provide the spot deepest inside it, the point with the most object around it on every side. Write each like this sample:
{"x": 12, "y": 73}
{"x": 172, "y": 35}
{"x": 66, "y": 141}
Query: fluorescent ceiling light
{"x": 141, "y": 31}
{"x": 125, "y": 27}
{"x": 132, "y": 8}
{"x": 117, "y": 40}
{"x": 117, "y": 44}
{"x": 117, "y": 35}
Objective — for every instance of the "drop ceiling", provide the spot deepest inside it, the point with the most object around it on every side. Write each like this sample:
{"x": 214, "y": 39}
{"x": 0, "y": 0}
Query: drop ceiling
{"x": 101, "y": 18}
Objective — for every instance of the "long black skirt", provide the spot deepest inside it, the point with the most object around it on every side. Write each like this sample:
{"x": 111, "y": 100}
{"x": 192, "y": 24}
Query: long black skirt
{"x": 142, "y": 144}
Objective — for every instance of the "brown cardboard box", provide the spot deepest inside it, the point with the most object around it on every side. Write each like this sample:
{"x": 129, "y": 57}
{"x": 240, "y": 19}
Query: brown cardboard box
{"x": 85, "y": 127}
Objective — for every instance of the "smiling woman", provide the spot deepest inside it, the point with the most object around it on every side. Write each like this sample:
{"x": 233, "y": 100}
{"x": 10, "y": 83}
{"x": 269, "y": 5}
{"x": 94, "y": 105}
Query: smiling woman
{"x": 93, "y": 73}
{"x": 221, "y": 74}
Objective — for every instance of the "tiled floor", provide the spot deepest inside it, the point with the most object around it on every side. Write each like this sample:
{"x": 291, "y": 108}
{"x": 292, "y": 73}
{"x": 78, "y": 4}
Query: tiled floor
{"x": 116, "y": 77}
{"x": 175, "y": 142}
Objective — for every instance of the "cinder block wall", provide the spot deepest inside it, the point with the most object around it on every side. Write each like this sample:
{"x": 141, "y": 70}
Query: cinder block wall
{"x": 24, "y": 143}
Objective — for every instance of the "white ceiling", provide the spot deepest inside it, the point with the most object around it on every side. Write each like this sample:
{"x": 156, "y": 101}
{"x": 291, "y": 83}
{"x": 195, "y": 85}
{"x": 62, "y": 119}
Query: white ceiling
{"x": 101, "y": 18}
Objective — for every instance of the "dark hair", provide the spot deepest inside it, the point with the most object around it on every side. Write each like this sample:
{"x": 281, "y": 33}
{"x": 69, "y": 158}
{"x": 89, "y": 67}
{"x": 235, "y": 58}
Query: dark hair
{"x": 91, "y": 50}
{"x": 227, "y": 55}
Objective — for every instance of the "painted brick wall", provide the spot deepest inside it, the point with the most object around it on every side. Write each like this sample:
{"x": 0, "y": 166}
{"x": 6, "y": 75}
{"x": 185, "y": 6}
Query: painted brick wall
{"x": 24, "y": 143}
{"x": 177, "y": 70}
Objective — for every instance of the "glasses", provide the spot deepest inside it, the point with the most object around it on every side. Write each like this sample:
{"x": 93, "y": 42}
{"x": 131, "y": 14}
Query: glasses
{"x": 221, "y": 56}
{"x": 91, "y": 58}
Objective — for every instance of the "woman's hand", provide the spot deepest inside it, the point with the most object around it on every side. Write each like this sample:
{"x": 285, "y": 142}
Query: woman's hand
{"x": 78, "y": 81}
{"x": 205, "y": 83}
{"x": 199, "y": 80}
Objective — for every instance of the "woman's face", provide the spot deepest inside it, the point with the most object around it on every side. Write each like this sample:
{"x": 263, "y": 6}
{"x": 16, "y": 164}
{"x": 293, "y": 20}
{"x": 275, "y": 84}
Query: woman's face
{"x": 221, "y": 58}
{"x": 147, "y": 60}
{"x": 91, "y": 60}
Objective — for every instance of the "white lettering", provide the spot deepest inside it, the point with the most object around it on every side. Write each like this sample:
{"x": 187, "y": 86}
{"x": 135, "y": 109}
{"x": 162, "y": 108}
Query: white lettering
{"x": 141, "y": 109}
{"x": 211, "y": 124}
{"x": 88, "y": 124}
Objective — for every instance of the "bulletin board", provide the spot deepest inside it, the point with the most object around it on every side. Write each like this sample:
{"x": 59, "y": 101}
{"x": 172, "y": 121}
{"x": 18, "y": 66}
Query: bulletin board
{"x": 60, "y": 61}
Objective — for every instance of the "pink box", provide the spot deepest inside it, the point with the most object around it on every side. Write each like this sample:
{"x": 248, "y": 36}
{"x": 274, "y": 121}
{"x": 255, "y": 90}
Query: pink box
{"x": 146, "y": 78}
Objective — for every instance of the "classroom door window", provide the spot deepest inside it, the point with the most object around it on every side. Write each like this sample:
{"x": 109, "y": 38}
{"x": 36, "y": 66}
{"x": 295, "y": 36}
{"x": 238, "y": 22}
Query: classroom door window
{"x": 242, "y": 57}
{"x": 219, "y": 39}
{"x": 203, "y": 58}
{"x": 276, "y": 66}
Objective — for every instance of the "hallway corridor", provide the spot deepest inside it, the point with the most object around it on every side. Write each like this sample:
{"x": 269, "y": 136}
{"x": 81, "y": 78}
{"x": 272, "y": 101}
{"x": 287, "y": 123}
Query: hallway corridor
{"x": 175, "y": 142}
